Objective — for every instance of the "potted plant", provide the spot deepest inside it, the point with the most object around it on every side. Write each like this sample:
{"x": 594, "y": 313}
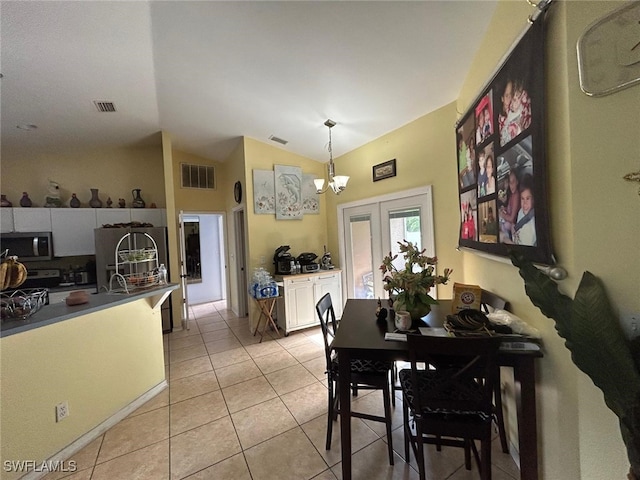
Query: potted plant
{"x": 598, "y": 346}
{"x": 413, "y": 282}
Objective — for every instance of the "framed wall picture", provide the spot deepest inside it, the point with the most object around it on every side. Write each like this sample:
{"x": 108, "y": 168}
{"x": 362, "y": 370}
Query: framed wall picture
{"x": 501, "y": 160}
{"x": 384, "y": 170}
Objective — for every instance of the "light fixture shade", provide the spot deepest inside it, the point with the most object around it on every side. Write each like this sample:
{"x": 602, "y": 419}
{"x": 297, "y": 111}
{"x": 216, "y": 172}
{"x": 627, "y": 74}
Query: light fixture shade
{"x": 319, "y": 183}
{"x": 341, "y": 181}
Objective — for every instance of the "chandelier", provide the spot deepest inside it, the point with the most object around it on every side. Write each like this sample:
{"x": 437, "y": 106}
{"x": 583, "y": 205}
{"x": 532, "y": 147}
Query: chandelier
{"x": 337, "y": 183}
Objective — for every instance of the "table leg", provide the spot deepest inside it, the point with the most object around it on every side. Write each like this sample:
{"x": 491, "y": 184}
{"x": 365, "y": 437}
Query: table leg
{"x": 344, "y": 381}
{"x": 270, "y": 316}
{"x": 524, "y": 374}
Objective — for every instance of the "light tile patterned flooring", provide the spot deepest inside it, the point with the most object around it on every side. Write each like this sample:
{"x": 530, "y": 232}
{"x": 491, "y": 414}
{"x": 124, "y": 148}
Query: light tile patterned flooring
{"x": 240, "y": 410}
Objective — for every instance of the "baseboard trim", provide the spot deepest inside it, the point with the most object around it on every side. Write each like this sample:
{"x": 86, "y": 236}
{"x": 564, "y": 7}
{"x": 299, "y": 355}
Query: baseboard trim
{"x": 94, "y": 433}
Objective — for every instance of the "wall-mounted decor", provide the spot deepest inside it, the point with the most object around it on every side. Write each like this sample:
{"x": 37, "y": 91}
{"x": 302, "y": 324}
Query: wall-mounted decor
{"x": 310, "y": 202}
{"x": 264, "y": 192}
{"x": 384, "y": 170}
{"x": 288, "y": 192}
{"x": 609, "y": 52}
{"x": 501, "y": 158}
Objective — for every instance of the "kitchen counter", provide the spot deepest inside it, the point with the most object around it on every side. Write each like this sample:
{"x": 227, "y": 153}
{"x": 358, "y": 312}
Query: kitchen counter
{"x": 59, "y": 312}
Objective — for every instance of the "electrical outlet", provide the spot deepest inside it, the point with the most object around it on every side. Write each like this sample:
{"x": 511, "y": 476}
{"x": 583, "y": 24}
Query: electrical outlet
{"x": 62, "y": 411}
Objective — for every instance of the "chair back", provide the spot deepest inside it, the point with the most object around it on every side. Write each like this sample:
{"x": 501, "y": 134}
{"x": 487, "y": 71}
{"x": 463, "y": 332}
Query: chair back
{"x": 490, "y": 302}
{"x": 327, "y": 316}
{"x": 462, "y": 380}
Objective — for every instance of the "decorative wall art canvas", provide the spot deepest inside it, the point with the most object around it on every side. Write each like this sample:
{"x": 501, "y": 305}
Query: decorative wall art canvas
{"x": 501, "y": 158}
{"x": 288, "y": 181}
{"x": 264, "y": 196}
{"x": 310, "y": 200}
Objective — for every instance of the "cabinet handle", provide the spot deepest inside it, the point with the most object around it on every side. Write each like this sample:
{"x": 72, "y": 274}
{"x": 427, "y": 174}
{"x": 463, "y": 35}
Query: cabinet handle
{"x": 305, "y": 280}
{"x": 327, "y": 276}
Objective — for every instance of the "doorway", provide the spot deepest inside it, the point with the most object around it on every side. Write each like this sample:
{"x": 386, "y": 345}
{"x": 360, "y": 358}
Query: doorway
{"x": 371, "y": 228}
{"x": 204, "y": 257}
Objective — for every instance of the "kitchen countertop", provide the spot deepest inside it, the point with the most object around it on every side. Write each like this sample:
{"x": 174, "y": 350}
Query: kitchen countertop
{"x": 58, "y": 312}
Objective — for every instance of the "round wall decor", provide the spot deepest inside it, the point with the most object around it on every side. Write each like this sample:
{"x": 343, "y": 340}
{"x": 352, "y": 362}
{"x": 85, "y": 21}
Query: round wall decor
{"x": 237, "y": 192}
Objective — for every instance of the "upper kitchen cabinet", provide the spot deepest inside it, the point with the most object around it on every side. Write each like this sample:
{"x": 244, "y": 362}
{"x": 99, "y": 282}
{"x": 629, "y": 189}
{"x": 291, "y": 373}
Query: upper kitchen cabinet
{"x": 31, "y": 220}
{"x": 73, "y": 231}
{"x": 154, "y": 216}
{"x": 6, "y": 220}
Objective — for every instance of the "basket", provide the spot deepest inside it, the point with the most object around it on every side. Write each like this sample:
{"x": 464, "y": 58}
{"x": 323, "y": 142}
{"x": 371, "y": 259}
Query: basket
{"x": 21, "y": 304}
{"x": 142, "y": 280}
{"x": 139, "y": 255}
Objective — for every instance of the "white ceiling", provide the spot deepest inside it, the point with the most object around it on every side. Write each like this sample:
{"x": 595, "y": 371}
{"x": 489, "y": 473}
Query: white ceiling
{"x": 211, "y": 72}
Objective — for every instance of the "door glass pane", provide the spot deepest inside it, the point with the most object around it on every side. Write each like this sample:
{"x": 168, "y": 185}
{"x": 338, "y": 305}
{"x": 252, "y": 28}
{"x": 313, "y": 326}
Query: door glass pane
{"x": 404, "y": 225}
{"x": 361, "y": 258}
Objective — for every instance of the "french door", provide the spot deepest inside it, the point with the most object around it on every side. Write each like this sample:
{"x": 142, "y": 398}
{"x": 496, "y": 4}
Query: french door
{"x": 372, "y": 228}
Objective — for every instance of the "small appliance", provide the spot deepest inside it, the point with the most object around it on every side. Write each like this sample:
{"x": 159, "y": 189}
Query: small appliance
{"x": 307, "y": 263}
{"x": 28, "y": 246}
{"x": 282, "y": 260}
{"x": 43, "y": 278}
{"x": 325, "y": 261}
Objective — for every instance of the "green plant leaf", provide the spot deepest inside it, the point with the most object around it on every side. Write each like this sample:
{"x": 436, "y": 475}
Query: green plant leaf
{"x": 544, "y": 294}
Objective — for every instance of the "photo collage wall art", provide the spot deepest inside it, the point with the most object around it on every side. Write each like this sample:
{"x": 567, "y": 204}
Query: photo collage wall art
{"x": 501, "y": 158}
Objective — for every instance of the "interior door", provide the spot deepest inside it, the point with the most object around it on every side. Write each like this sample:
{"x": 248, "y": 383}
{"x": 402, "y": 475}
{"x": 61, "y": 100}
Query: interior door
{"x": 183, "y": 273}
{"x": 373, "y": 229}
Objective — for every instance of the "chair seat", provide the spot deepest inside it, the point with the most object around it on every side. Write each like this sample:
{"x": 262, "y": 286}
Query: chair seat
{"x": 364, "y": 366}
{"x": 427, "y": 379}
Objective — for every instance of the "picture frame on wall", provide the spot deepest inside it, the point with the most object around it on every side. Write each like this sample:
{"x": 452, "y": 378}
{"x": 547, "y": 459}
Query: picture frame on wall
{"x": 384, "y": 170}
{"x": 501, "y": 161}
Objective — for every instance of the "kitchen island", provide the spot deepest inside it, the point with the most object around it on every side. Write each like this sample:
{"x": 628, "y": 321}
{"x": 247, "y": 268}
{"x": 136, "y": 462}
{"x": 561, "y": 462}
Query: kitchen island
{"x": 103, "y": 360}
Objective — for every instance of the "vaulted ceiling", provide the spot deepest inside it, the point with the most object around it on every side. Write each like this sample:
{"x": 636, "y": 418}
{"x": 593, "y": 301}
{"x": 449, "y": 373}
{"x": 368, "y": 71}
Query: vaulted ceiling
{"x": 211, "y": 72}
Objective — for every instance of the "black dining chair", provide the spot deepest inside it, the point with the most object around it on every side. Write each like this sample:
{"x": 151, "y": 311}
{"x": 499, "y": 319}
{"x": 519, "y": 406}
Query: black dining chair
{"x": 490, "y": 302}
{"x": 451, "y": 404}
{"x": 365, "y": 374}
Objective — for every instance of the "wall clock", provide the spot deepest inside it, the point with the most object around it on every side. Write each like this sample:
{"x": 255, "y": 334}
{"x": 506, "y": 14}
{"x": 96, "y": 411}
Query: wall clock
{"x": 237, "y": 192}
{"x": 609, "y": 52}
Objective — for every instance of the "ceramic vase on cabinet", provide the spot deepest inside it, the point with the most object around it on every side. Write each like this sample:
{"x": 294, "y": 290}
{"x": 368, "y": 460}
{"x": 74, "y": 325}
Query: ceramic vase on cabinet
{"x": 95, "y": 201}
{"x": 25, "y": 201}
{"x": 138, "y": 202}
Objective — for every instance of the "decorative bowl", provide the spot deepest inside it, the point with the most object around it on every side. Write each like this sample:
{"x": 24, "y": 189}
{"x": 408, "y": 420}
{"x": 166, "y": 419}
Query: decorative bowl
{"x": 21, "y": 304}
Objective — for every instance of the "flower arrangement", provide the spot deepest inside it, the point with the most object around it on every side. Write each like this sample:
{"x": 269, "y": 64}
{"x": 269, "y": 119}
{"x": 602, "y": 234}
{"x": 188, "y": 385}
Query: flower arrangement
{"x": 412, "y": 285}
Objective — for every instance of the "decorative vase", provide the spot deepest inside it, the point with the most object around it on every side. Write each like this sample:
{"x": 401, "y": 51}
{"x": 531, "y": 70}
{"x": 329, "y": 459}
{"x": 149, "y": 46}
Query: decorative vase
{"x": 417, "y": 309}
{"x": 74, "y": 202}
{"x": 5, "y": 202}
{"x": 25, "y": 201}
{"x": 121, "y": 203}
{"x": 403, "y": 320}
{"x": 109, "y": 202}
{"x": 138, "y": 202}
{"x": 95, "y": 201}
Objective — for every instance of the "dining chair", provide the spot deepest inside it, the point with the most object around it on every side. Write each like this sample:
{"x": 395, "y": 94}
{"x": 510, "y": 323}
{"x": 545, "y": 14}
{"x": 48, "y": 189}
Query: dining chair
{"x": 489, "y": 302}
{"x": 451, "y": 404}
{"x": 365, "y": 374}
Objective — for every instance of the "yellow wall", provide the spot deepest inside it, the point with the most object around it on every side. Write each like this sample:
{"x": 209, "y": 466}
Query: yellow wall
{"x": 264, "y": 231}
{"x": 591, "y": 143}
{"x": 114, "y": 172}
{"x": 425, "y": 155}
{"x": 80, "y": 360}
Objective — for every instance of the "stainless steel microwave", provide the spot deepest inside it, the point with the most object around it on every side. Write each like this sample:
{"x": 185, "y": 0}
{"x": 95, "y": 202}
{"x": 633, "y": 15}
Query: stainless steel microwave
{"x": 28, "y": 246}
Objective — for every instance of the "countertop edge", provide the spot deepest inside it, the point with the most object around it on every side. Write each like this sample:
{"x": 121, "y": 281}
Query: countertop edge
{"x": 59, "y": 312}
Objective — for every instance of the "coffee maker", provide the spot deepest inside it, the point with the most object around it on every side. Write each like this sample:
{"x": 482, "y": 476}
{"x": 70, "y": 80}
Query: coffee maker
{"x": 282, "y": 259}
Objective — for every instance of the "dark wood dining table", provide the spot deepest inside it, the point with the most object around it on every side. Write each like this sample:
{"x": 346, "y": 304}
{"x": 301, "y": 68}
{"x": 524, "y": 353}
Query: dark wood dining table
{"x": 360, "y": 335}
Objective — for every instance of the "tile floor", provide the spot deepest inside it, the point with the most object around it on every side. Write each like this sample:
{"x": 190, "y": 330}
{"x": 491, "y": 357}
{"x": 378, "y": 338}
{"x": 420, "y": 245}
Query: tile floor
{"x": 241, "y": 410}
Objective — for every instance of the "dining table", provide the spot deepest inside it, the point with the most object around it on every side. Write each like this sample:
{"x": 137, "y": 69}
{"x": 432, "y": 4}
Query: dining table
{"x": 361, "y": 335}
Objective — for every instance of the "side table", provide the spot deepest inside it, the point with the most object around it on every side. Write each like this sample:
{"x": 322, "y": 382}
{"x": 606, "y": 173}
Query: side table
{"x": 266, "y": 311}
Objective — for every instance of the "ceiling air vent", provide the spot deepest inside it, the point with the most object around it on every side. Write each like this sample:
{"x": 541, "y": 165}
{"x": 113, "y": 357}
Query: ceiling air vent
{"x": 281, "y": 141}
{"x": 104, "y": 106}
{"x": 197, "y": 176}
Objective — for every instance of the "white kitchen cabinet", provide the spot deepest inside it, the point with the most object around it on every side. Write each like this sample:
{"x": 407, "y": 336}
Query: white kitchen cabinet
{"x": 110, "y": 216}
{"x": 154, "y": 216}
{"x": 32, "y": 219}
{"x": 73, "y": 231}
{"x": 6, "y": 220}
{"x": 300, "y": 293}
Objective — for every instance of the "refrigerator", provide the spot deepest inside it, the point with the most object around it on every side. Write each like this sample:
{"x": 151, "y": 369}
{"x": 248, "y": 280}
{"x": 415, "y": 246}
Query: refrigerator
{"x": 107, "y": 240}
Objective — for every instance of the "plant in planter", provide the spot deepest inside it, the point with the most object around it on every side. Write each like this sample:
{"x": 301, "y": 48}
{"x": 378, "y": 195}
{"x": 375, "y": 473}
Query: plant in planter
{"x": 598, "y": 346}
{"x": 413, "y": 282}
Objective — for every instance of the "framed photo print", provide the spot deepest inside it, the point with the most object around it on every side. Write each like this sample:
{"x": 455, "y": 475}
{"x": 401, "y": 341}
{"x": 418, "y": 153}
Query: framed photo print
{"x": 384, "y": 170}
{"x": 501, "y": 158}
